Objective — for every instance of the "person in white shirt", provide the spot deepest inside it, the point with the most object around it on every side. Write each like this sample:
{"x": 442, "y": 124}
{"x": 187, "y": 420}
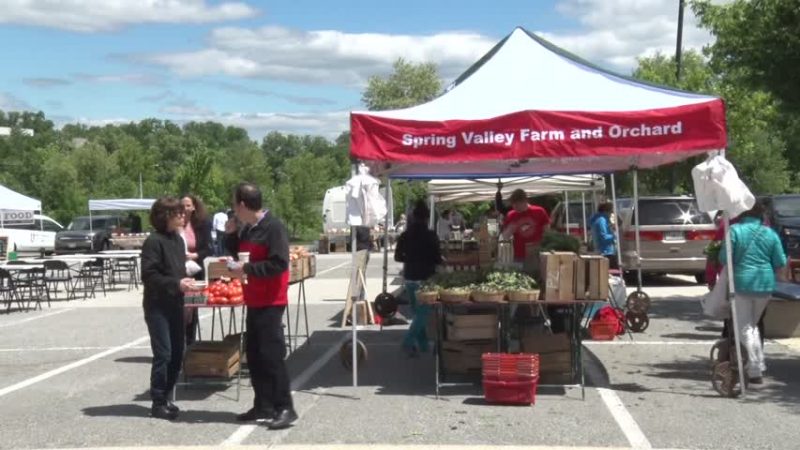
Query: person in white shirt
{"x": 218, "y": 232}
{"x": 443, "y": 227}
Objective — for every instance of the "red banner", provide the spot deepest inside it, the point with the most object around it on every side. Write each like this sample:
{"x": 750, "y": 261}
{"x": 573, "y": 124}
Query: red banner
{"x": 540, "y": 134}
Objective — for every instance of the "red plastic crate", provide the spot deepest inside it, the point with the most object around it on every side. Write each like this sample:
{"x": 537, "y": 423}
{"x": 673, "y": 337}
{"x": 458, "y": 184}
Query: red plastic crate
{"x": 510, "y": 392}
{"x": 603, "y": 330}
{"x": 507, "y": 365}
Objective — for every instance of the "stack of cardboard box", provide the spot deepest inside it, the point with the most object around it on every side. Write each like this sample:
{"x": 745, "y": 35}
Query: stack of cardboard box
{"x": 567, "y": 277}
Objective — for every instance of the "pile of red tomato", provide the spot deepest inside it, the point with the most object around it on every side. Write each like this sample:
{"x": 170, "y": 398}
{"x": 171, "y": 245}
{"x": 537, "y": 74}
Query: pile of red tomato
{"x": 224, "y": 293}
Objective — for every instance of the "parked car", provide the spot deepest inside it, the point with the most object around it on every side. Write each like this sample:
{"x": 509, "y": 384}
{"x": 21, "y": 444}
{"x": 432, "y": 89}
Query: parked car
{"x": 673, "y": 235}
{"x": 558, "y": 219}
{"x": 40, "y": 236}
{"x": 783, "y": 214}
{"x": 82, "y": 236}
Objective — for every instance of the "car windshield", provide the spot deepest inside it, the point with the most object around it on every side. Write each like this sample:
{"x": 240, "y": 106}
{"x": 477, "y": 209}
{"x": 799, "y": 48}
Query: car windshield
{"x": 787, "y": 207}
{"x": 671, "y": 212}
{"x": 82, "y": 224}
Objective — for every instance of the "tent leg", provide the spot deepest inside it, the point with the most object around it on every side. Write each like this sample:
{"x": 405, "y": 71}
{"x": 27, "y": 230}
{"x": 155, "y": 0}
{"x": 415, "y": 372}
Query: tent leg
{"x": 386, "y": 236}
{"x": 732, "y": 296}
{"x": 636, "y": 226}
{"x": 356, "y": 296}
{"x": 583, "y": 211}
{"x": 566, "y": 211}
{"x": 431, "y": 221}
{"x": 616, "y": 228}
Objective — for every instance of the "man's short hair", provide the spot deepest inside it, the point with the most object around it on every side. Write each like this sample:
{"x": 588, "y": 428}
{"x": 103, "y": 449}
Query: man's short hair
{"x": 605, "y": 207}
{"x": 518, "y": 196}
{"x": 250, "y": 195}
{"x": 162, "y": 211}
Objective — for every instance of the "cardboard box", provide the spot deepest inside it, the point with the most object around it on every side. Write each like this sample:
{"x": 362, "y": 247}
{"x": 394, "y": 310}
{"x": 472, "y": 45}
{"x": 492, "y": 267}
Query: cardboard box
{"x": 597, "y": 277}
{"x": 472, "y": 320}
{"x": 212, "y": 359}
{"x": 558, "y": 274}
{"x": 555, "y": 363}
{"x": 581, "y": 279}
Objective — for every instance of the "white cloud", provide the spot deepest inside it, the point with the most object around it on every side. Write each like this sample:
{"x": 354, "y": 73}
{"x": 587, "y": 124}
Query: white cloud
{"x": 10, "y": 102}
{"x": 44, "y": 82}
{"x": 616, "y": 32}
{"x": 107, "y": 15}
{"x": 182, "y": 106}
{"x": 325, "y": 56}
{"x": 129, "y": 78}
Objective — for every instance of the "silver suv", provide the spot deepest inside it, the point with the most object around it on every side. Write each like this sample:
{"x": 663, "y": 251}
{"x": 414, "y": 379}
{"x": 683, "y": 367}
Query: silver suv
{"x": 674, "y": 233}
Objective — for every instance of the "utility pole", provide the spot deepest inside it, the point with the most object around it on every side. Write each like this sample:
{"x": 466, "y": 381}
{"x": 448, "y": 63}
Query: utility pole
{"x": 141, "y": 191}
{"x": 679, "y": 44}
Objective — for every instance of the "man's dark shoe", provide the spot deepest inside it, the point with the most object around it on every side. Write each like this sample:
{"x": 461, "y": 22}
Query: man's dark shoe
{"x": 173, "y": 407}
{"x": 282, "y": 419}
{"x": 163, "y": 412}
{"x": 253, "y": 415}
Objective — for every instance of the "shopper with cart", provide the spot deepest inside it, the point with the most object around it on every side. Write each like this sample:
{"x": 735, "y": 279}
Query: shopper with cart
{"x": 265, "y": 240}
{"x": 757, "y": 257}
{"x": 164, "y": 279}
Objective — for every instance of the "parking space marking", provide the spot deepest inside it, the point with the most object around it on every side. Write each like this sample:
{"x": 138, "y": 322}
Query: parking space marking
{"x": 682, "y": 343}
{"x": 244, "y": 431}
{"x": 59, "y": 349}
{"x": 334, "y": 268}
{"x": 74, "y": 365}
{"x": 624, "y": 419}
{"x": 31, "y": 319}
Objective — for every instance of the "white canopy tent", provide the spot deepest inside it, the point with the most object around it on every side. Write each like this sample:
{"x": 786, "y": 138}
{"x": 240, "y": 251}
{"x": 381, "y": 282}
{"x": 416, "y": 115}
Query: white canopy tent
{"x": 14, "y": 201}
{"x": 121, "y": 204}
{"x": 484, "y": 189}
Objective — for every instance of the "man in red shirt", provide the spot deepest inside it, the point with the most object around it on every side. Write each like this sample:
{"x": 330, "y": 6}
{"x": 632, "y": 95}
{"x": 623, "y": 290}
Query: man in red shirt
{"x": 526, "y": 222}
{"x": 266, "y": 240}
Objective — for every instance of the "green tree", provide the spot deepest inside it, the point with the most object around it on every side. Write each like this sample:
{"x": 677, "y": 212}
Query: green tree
{"x": 409, "y": 85}
{"x": 299, "y": 197}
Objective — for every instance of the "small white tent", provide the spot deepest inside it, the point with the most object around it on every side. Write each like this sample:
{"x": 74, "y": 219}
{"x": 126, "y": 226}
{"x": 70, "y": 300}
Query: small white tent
{"x": 484, "y": 189}
{"x": 14, "y": 201}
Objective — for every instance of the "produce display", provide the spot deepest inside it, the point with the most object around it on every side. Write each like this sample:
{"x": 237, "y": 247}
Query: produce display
{"x": 553, "y": 241}
{"x": 493, "y": 286}
{"x": 223, "y": 292}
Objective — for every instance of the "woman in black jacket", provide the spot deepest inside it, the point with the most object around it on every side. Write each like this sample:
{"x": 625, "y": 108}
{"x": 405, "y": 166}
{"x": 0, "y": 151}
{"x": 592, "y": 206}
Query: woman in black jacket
{"x": 199, "y": 245}
{"x": 164, "y": 279}
{"x": 418, "y": 249}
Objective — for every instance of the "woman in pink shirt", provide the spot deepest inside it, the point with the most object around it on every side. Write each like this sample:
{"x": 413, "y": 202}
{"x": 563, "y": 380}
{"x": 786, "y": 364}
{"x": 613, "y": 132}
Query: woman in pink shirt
{"x": 197, "y": 236}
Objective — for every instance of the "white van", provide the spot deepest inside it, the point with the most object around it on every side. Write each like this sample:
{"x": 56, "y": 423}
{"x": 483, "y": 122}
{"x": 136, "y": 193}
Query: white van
{"x": 36, "y": 237}
{"x": 334, "y": 210}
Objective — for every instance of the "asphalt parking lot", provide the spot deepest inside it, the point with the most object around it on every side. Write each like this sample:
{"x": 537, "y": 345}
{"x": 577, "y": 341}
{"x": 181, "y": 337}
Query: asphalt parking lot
{"x": 76, "y": 375}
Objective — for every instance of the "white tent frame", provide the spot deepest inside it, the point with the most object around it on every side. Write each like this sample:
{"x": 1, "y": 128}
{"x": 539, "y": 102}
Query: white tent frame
{"x": 121, "y": 204}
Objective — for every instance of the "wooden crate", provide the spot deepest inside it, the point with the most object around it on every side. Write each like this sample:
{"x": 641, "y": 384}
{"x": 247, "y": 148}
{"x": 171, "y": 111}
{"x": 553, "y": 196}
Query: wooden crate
{"x": 310, "y": 266}
{"x": 596, "y": 277}
{"x": 545, "y": 343}
{"x": 212, "y": 359}
{"x": 296, "y": 269}
{"x": 217, "y": 270}
{"x": 558, "y": 274}
{"x": 471, "y": 320}
{"x": 465, "y": 357}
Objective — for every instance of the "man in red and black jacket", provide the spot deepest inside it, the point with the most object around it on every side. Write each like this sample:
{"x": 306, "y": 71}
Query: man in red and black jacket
{"x": 266, "y": 295}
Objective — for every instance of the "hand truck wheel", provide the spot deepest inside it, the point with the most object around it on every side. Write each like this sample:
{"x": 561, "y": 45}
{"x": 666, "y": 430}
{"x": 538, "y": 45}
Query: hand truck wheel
{"x": 385, "y": 305}
{"x": 638, "y": 302}
{"x": 637, "y": 321}
{"x": 725, "y": 379}
{"x": 346, "y": 354}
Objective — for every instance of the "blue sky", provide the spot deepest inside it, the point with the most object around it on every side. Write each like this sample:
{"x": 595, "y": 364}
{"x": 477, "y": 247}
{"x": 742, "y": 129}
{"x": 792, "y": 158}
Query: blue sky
{"x": 296, "y": 66}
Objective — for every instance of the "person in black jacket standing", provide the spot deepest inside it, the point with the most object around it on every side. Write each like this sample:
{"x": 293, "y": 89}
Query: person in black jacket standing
{"x": 164, "y": 279}
{"x": 266, "y": 294}
{"x": 418, "y": 249}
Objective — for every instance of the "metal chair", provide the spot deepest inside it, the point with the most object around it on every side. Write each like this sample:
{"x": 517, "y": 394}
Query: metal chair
{"x": 129, "y": 266}
{"x": 8, "y": 290}
{"x": 60, "y": 272}
{"x": 90, "y": 275}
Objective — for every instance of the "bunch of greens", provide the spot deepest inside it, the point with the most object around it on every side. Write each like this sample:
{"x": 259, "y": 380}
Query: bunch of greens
{"x": 429, "y": 286}
{"x": 512, "y": 281}
{"x": 488, "y": 287}
{"x": 712, "y": 250}
{"x": 455, "y": 280}
{"x": 559, "y": 242}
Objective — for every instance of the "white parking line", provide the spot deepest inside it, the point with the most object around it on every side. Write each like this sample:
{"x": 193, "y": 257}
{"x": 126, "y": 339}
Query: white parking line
{"x": 244, "y": 431}
{"x": 59, "y": 349}
{"x": 334, "y": 268}
{"x": 624, "y": 419}
{"x": 30, "y": 319}
{"x": 68, "y": 367}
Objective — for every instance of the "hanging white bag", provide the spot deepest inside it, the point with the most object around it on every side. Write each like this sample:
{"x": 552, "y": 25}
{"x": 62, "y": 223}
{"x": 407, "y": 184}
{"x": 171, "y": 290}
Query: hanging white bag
{"x": 716, "y": 303}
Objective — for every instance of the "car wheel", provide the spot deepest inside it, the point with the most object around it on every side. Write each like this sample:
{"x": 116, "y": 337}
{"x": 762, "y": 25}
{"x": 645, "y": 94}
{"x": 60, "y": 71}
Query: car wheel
{"x": 701, "y": 278}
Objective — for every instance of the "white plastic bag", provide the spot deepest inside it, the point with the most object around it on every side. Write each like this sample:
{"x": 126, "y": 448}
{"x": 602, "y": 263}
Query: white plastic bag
{"x": 716, "y": 304}
{"x": 192, "y": 268}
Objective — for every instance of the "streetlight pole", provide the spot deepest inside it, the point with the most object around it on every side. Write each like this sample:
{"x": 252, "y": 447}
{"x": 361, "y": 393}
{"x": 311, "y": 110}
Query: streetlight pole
{"x": 141, "y": 191}
{"x": 679, "y": 44}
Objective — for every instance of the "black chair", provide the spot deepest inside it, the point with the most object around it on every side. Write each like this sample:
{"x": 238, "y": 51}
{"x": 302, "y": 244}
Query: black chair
{"x": 90, "y": 275}
{"x": 59, "y": 272}
{"x": 8, "y": 290}
{"x": 30, "y": 285}
{"x": 129, "y": 266}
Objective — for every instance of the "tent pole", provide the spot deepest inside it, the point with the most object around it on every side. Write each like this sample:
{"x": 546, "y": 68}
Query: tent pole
{"x": 566, "y": 210}
{"x": 386, "y": 234}
{"x": 616, "y": 228}
{"x": 636, "y": 226}
{"x": 583, "y": 211}
{"x": 732, "y": 299}
{"x": 432, "y": 220}
{"x": 355, "y": 297}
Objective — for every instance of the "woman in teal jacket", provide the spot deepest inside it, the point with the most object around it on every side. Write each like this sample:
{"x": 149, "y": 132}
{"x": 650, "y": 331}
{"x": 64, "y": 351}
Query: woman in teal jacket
{"x": 757, "y": 257}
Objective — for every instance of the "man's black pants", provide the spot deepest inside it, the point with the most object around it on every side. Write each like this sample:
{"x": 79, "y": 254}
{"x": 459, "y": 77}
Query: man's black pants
{"x": 266, "y": 350}
{"x": 167, "y": 332}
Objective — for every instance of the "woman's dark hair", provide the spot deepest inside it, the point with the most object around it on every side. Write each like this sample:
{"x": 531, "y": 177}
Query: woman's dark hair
{"x": 421, "y": 213}
{"x": 200, "y": 215}
{"x": 250, "y": 195}
{"x": 162, "y": 211}
{"x": 757, "y": 211}
{"x": 605, "y": 207}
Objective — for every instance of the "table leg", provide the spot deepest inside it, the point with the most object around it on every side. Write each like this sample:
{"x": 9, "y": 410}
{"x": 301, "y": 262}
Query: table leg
{"x": 241, "y": 352}
{"x": 436, "y": 321}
